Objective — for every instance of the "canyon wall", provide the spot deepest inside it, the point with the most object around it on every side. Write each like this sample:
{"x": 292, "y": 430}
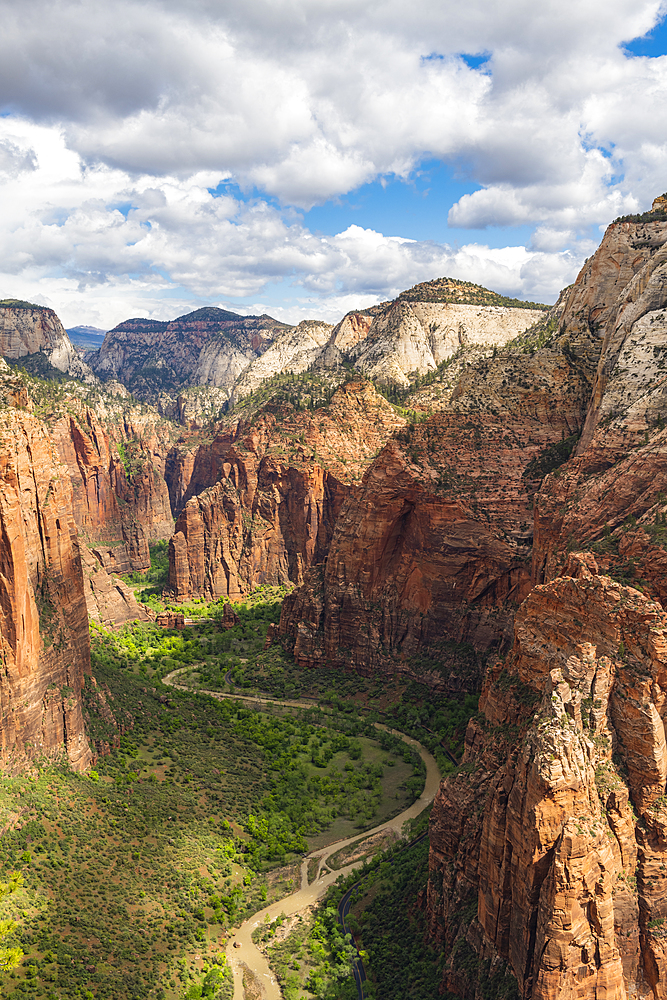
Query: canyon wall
{"x": 551, "y": 839}
{"x": 43, "y": 619}
{"x": 435, "y": 548}
{"x": 207, "y": 347}
{"x": 552, "y": 836}
{"x": 264, "y": 496}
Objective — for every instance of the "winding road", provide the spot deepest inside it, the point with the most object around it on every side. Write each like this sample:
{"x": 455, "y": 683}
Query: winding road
{"x": 241, "y": 950}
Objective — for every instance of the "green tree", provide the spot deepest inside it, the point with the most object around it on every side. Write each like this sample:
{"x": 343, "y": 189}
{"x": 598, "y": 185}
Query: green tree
{"x": 10, "y": 956}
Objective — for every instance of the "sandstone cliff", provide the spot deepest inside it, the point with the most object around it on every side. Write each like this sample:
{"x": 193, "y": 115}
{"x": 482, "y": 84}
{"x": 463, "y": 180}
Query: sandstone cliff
{"x": 611, "y": 495}
{"x": 43, "y": 620}
{"x": 26, "y": 329}
{"x": 552, "y": 835}
{"x": 116, "y": 456}
{"x": 436, "y": 546}
{"x": 263, "y": 497}
{"x": 414, "y": 337}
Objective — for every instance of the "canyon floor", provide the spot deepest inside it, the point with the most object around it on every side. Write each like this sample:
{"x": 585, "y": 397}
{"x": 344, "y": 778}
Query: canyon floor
{"x": 134, "y": 877}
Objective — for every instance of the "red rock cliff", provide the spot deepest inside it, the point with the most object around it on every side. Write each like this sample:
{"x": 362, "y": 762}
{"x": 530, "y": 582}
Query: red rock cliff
{"x": 435, "y": 548}
{"x": 553, "y": 834}
{"x": 264, "y": 496}
{"x": 43, "y": 620}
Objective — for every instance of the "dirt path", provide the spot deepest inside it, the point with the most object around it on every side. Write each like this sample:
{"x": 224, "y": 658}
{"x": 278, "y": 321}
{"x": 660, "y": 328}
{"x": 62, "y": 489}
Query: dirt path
{"x": 246, "y": 953}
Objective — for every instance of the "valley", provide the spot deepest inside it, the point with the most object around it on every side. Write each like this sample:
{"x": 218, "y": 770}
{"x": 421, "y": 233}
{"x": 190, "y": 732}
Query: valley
{"x": 269, "y": 589}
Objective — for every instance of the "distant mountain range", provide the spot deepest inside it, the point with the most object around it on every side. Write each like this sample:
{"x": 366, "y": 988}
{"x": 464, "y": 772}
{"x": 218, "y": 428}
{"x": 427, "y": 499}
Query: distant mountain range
{"x": 90, "y": 338}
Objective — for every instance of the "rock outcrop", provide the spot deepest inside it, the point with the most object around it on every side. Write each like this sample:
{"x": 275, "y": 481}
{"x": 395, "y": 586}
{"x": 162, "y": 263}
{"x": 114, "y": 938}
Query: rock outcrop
{"x": 292, "y": 351}
{"x": 109, "y": 600}
{"x": 43, "y": 622}
{"x": 264, "y": 496}
{"x": 563, "y": 867}
{"x": 611, "y": 495}
{"x": 27, "y": 329}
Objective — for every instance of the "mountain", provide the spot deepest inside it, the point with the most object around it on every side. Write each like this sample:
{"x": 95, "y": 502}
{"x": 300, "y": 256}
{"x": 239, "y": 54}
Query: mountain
{"x": 227, "y": 357}
{"x": 206, "y": 347}
{"x": 525, "y": 519}
{"x": 90, "y": 338}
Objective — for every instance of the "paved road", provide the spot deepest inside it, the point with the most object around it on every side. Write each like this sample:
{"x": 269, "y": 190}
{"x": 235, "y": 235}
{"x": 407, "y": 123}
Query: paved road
{"x": 248, "y": 953}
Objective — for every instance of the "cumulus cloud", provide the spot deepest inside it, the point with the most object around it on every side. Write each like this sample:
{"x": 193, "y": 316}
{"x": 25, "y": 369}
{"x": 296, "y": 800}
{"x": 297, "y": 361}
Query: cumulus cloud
{"x": 122, "y": 244}
{"x": 118, "y": 118}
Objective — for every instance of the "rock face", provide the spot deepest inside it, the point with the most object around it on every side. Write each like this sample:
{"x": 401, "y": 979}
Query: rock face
{"x": 566, "y": 862}
{"x": 109, "y": 601}
{"x": 409, "y": 337}
{"x": 293, "y": 351}
{"x": 611, "y": 495}
{"x": 206, "y": 347}
{"x": 119, "y": 505}
{"x": 562, "y": 871}
{"x": 436, "y": 546}
{"x": 26, "y": 329}
{"x": 278, "y": 483}
{"x": 43, "y": 621}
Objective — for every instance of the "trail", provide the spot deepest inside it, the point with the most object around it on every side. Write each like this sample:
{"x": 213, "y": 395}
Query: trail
{"x": 247, "y": 953}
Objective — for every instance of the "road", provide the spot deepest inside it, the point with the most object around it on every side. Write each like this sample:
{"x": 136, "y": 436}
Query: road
{"x": 247, "y": 953}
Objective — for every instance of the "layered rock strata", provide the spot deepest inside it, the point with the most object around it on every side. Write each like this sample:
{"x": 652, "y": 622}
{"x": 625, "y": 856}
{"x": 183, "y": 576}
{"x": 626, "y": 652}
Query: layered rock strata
{"x": 121, "y": 499}
{"x": 43, "y": 622}
{"x": 412, "y": 337}
{"x": 279, "y": 483}
{"x": 553, "y": 834}
{"x": 207, "y": 347}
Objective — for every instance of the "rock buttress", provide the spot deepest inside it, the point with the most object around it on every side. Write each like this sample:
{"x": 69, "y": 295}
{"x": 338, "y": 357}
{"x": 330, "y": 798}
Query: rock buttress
{"x": 43, "y": 622}
{"x": 554, "y": 829}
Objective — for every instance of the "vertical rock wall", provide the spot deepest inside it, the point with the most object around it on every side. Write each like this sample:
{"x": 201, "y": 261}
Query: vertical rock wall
{"x": 44, "y": 643}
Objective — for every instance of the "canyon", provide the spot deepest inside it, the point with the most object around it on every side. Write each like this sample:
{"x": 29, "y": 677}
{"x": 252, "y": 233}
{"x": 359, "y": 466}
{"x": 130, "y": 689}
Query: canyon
{"x": 499, "y": 526}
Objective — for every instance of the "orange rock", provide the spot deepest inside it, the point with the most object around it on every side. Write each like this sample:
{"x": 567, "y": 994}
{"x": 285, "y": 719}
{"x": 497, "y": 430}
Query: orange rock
{"x": 558, "y": 853}
{"x": 43, "y": 622}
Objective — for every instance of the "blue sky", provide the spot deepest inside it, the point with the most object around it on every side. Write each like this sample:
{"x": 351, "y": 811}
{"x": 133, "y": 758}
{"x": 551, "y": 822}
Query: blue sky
{"x": 305, "y": 157}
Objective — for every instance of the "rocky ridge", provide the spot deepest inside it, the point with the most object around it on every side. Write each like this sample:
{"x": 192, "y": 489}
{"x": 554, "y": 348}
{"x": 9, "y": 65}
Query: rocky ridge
{"x": 27, "y": 329}
{"x": 279, "y": 480}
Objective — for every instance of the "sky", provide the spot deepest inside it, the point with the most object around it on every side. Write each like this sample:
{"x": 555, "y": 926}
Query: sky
{"x": 307, "y": 157}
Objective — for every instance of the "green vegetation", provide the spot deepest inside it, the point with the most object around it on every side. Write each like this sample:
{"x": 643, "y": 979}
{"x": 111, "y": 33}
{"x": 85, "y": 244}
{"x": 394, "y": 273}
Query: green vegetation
{"x": 438, "y": 722}
{"x": 19, "y": 304}
{"x": 133, "y": 874}
{"x": 389, "y": 930}
{"x": 10, "y": 953}
{"x": 154, "y": 580}
{"x": 553, "y": 456}
{"x": 38, "y": 366}
{"x": 454, "y": 290}
{"x": 653, "y": 215}
{"x": 302, "y": 391}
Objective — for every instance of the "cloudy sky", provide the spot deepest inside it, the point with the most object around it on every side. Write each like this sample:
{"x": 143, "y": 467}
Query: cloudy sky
{"x": 303, "y": 157}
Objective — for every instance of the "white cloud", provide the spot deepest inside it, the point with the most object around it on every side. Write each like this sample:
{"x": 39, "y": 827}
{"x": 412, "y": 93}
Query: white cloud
{"x": 120, "y": 115}
{"x": 102, "y": 245}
